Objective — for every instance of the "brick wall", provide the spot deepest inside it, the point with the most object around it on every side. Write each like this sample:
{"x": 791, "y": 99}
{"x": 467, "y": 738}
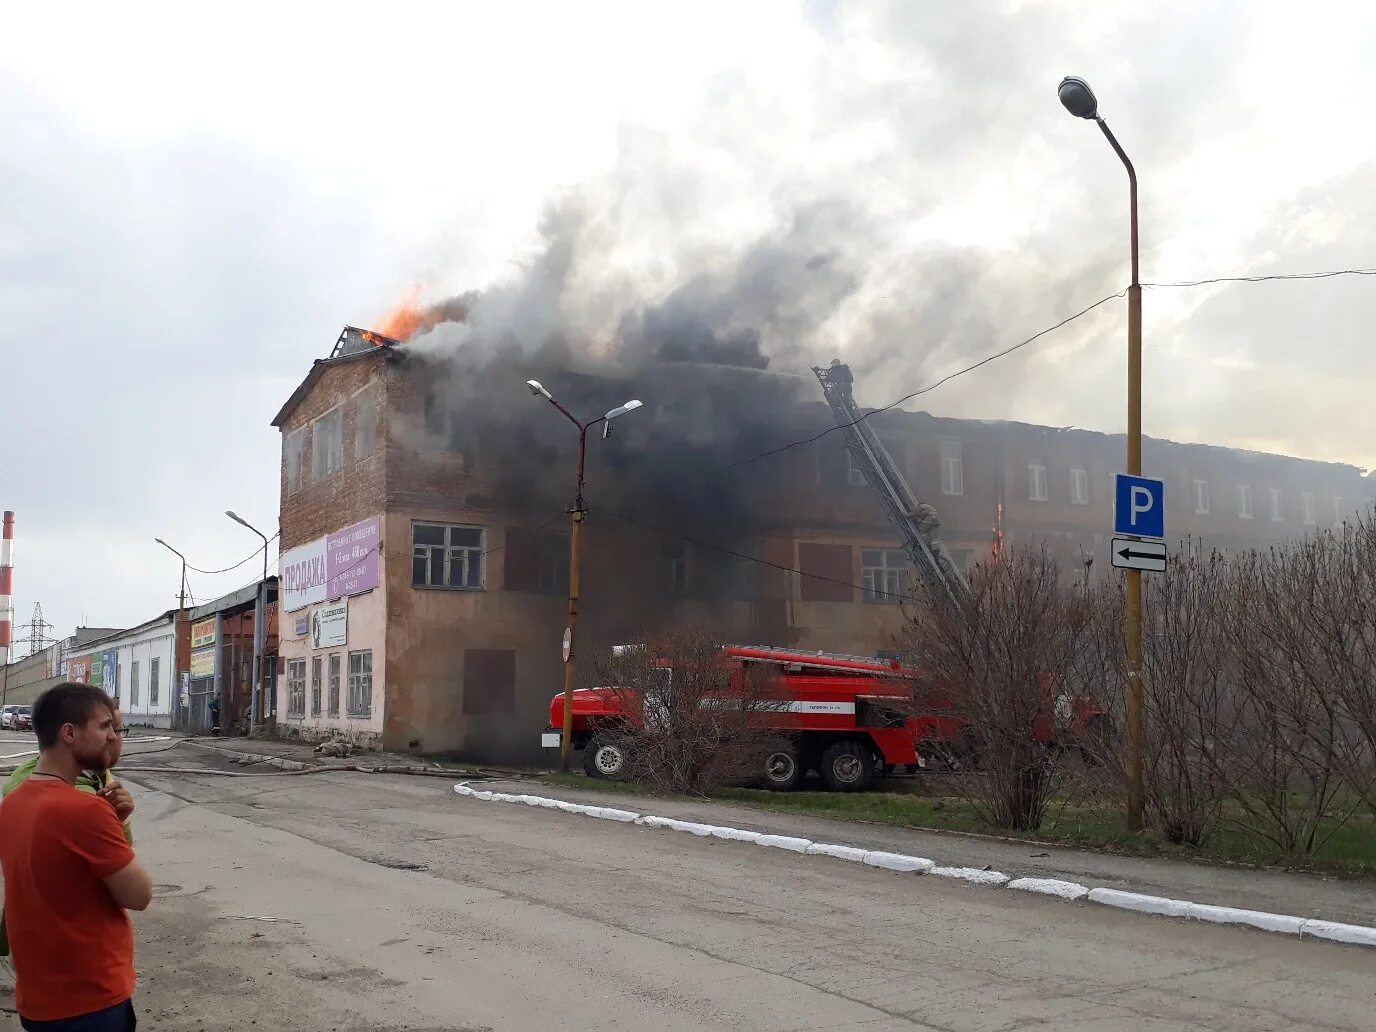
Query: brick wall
{"x": 355, "y": 492}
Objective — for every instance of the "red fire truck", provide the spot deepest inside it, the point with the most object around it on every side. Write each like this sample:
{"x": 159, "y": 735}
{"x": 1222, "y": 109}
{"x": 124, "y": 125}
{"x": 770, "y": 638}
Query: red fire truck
{"x": 846, "y": 717}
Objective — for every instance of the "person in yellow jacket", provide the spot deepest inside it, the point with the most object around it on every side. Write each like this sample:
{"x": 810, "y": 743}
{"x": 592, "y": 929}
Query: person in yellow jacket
{"x": 99, "y": 782}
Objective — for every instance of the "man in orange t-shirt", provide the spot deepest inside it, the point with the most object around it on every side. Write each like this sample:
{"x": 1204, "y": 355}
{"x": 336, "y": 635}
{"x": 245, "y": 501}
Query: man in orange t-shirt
{"x": 70, "y": 875}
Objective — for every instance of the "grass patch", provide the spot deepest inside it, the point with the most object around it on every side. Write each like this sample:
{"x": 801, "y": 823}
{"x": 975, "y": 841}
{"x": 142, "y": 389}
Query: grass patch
{"x": 1350, "y": 851}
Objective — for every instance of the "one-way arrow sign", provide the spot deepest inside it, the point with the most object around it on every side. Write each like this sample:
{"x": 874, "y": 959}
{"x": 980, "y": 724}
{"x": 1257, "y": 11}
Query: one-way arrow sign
{"x": 1129, "y": 554}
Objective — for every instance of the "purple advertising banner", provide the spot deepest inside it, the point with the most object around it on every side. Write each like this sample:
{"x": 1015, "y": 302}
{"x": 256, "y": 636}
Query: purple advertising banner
{"x": 351, "y": 559}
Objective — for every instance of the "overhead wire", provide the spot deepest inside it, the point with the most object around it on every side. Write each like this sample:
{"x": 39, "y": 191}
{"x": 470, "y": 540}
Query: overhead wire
{"x": 923, "y": 390}
{"x": 227, "y": 569}
{"x": 1261, "y": 278}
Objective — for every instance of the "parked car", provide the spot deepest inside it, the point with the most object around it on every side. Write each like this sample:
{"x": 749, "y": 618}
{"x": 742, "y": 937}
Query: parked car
{"x": 7, "y": 717}
{"x": 23, "y": 719}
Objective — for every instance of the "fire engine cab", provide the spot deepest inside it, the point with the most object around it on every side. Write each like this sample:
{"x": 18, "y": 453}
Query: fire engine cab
{"x": 846, "y": 717}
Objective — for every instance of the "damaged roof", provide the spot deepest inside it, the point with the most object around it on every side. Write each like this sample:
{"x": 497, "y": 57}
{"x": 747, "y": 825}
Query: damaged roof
{"x": 354, "y": 344}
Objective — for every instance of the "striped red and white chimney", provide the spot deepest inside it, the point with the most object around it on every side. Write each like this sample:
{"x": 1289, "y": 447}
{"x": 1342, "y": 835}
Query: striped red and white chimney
{"x": 7, "y": 589}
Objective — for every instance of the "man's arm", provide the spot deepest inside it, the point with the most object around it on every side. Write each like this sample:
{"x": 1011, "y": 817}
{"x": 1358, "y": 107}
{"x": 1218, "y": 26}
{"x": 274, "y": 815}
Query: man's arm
{"x": 131, "y": 886}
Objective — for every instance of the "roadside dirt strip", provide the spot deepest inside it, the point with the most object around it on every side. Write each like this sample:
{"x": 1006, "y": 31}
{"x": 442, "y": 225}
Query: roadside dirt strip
{"x": 1285, "y": 924}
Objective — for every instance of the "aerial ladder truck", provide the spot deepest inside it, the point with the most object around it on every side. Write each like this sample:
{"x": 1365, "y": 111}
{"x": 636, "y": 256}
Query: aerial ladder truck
{"x": 917, "y": 521}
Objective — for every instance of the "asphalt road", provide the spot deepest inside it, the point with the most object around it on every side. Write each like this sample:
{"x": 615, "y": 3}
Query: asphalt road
{"x": 347, "y": 901}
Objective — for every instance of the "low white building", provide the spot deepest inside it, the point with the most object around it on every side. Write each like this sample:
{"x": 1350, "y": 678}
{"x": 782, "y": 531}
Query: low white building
{"x": 139, "y": 668}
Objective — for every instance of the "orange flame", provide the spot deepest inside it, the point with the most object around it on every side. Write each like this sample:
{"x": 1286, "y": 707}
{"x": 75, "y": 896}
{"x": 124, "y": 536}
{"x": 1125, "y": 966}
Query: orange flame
{"x": 407, "y": 319}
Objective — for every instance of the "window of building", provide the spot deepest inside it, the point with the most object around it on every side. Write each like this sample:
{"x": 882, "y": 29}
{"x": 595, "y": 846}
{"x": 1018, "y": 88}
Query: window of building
{"x": 881, "y": 573}
{"x": 1036, "y": 483}
{"x": 1244, "y": 501}
{"x": 444, "y": 556}
{"x": 365, "y": 423}
{"x": 952, "y": 469}
{"x": 336, "y": 662}
{"x": 1079, "y": 486}
{"x": 1201, "y": 497}
{"x": 552, "y": 577}
{"x": 1277, "y": 511}
{"x": 327, "y": 451}
{"x": 676, "y": 568}
{"x": 295, "y": 452}
{"x": 855, "y": 476}
{"x": 361, "y": 683}
{"x": 134, "y": 683}
{"x": 317, "y": 668}
{"x": 489, "y": 682}
{"x": 824, "y": 573}
{"x": 296, "y": 687}
{"x": 154, "y": 690}
{"x": 1307, "y": 505}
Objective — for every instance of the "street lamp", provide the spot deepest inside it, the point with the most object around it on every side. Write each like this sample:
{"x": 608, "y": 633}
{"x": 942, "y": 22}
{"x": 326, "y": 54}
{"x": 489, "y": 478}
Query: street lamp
{"x": 578, "y": 511}
{"x": 260, "y": 612}
{"x": 181, "y": 603}
{"x": 1079, "y": 100}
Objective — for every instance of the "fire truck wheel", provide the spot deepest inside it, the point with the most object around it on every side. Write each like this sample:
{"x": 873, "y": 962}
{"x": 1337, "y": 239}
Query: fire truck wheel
{"x": 848, "y": 766}
{"x": 782, "y": 770}
{"x": 605, "y": 757}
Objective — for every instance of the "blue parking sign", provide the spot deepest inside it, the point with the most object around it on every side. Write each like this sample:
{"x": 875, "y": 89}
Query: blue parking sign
{"x": 1140, "y": 509}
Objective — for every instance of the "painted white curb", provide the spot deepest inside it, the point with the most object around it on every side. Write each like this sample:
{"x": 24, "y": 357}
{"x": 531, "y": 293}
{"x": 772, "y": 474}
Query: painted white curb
{"x": 1284, "y": 924}
{"x": 897, "y": 861}
{"x": 1356, "y": 934}
{"x": 1068, "y": 890}
{"x": 973, "y": 875}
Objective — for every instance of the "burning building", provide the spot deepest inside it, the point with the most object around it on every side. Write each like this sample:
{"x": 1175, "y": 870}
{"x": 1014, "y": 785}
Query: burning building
{"x": 424, "y": 566}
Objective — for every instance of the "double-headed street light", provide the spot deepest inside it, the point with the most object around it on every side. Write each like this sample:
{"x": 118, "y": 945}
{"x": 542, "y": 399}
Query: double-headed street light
{"x": 1079, "y": 100}
{"x": 260, "y": 634}
{"x": 578, "y": 511}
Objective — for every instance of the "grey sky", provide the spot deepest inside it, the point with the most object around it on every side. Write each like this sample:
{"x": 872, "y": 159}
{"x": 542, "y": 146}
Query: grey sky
{"x": 193, "y": 206}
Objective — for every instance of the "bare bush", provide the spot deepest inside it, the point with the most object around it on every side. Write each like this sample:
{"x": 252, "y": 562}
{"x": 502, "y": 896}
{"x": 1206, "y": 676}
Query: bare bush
{"x": 1301, "y": 632}
{"x": 1185, "y": 667}
{"x": 696, "y": 721}
{"x": 993, "y": 658}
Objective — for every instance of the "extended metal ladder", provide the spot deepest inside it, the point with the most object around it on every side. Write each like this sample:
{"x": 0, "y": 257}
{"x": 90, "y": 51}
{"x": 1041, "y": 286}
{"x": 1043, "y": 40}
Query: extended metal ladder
{"x": 916, "y": 521}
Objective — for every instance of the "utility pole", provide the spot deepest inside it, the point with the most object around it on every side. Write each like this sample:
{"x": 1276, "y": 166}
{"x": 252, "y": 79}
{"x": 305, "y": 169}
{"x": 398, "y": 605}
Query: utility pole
{"x": 579, "y": 511}
{"x": 1079, "y": 100}
{"x": 260, "y": 608}
{"x": 176, "y": 638}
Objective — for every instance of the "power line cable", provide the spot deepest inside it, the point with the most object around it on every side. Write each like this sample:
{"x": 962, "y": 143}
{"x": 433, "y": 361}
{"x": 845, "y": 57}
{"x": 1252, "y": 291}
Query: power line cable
{"x": 1267, "y": 278}
{"x": 227, "y": 569}
{"x": 930, "y": 387}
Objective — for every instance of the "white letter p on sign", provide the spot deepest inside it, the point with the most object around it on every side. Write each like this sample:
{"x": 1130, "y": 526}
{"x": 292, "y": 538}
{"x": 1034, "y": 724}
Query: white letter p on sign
{"x": 1139, "y": 502}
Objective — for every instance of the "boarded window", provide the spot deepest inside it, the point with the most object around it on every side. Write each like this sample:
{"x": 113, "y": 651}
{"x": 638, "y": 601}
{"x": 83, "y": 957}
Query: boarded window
{"x": 536, "y": 562}
{"x": 825, "y": 573}
{"x": 327, "y": 454}
{"x": 365, "y": 423}
{"x": 296, "y": 443}
{"x": 489, "y": 681}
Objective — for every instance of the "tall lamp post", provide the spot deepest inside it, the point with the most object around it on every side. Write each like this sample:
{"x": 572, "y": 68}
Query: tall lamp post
{"x": 578, "y": 511}
{"x": 260, "y": 611}
{"x": 1079, "y": 100}
{"x": 181, "y": 598}
{"x": 176, "y": 648}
